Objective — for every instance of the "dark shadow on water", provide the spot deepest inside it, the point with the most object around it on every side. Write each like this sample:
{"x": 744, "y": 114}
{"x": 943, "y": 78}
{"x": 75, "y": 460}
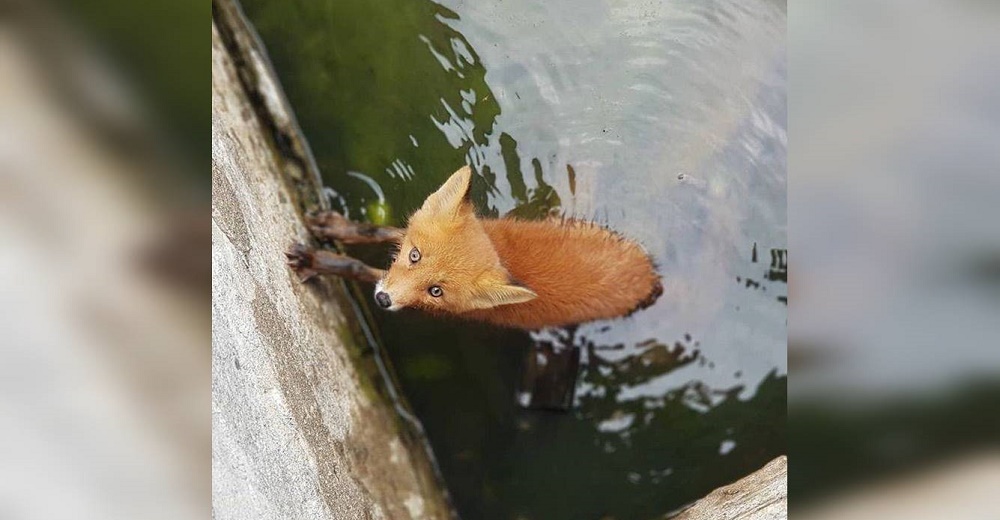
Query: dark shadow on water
{"x": 612, "y": 454}
{"x": 373, "y": 85}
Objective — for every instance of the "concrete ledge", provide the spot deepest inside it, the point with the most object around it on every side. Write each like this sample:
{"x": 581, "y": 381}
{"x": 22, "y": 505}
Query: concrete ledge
{"x": 299, "y": 431}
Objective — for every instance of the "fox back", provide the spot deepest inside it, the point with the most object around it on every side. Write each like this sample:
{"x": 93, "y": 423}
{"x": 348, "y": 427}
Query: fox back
{"x": 523, "y": 274}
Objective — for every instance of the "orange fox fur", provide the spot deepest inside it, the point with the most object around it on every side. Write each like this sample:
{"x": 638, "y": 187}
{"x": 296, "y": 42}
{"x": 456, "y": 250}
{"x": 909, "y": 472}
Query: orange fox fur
{"x": 523, "y": 274}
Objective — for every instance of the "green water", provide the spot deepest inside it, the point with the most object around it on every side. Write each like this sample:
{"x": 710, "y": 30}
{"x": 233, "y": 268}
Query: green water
{"x": 663, "y": 120}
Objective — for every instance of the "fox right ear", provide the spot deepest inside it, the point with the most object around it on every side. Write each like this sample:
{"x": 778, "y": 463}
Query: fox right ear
{"x": 452, "y": 194}
{"x": 505, "y": 294}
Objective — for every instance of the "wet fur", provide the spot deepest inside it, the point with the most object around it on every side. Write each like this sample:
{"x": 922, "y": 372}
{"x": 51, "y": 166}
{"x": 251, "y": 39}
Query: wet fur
{"x": 580, "y": 271}
{"x": 514, "y": 273}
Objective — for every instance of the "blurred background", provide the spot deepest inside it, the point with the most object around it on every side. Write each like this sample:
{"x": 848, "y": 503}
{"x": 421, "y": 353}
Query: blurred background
{"x": 104, "y": 260}
{"x": 894, "y": 220}
{"x": 893, "y": 351}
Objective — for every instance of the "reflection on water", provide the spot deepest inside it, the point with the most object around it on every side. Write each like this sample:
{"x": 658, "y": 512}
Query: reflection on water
{"x": 665, "y": 121}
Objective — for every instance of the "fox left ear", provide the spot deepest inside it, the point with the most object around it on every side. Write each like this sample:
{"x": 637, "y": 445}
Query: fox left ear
{"x": 501, "y": 294}
{"x": 450, "y": 196}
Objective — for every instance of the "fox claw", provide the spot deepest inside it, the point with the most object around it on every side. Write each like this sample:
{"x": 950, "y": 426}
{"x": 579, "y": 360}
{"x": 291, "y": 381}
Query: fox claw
{"x": 300, "y": 259}
{"x": 308, "y": 262}
{"x": 325, "y": 223}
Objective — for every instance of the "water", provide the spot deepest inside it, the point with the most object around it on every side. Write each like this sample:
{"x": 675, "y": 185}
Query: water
{"x": 663, "y": 120}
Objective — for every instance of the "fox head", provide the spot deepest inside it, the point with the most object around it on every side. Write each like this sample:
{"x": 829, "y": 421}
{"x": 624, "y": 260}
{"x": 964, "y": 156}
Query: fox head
{"x": 446, "y": 261}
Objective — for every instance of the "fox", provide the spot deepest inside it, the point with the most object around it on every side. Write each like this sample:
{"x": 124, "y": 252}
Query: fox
{"x": 523, "y": 274}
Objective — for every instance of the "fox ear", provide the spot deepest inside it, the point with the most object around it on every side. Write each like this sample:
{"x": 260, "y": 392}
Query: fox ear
{"x": 501, "y": 294}
{"x": 450, "y": 196}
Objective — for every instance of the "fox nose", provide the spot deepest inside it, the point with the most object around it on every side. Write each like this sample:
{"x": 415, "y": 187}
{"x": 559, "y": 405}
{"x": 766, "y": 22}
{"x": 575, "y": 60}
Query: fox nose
{"x": 383, "y": 299}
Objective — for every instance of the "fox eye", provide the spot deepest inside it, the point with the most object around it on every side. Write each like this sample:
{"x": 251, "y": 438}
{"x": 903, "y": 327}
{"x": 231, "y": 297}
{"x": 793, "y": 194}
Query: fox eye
{"x": 414, "y": 255}
{"x": 435, "y": 291}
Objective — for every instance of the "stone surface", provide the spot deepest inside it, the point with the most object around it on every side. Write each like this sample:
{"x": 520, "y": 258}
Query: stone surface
{"x": 762, "y": 495}
{"x": 299, "y": 431}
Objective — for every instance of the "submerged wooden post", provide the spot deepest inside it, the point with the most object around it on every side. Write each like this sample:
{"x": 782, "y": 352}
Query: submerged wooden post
{"x": 300, "y": 429}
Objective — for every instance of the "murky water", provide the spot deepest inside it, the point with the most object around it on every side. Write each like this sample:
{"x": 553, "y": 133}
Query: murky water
{"x": 663, "y": 120}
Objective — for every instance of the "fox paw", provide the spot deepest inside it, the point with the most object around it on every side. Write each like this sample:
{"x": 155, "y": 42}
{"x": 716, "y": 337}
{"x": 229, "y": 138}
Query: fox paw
{"x": 301, "y": 258}
{"x": 327, "y": 224}
{"x": 331, "y": 226}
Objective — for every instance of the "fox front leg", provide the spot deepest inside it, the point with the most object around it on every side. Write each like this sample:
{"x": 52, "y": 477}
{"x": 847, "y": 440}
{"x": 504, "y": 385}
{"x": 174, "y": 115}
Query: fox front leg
{"x": 330, "y": 225}
{"x": 308, "y": 262}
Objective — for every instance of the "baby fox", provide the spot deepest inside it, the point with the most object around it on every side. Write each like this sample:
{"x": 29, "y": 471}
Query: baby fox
{"x": 513, "y": 273}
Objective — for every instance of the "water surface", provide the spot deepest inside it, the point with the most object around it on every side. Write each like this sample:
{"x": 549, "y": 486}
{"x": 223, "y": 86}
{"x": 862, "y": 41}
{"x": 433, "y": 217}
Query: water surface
{"x": 662, "y": 120}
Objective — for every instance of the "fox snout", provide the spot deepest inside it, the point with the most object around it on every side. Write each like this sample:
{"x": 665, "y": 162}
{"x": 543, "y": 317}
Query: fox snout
{"x": 383, "y": 300}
